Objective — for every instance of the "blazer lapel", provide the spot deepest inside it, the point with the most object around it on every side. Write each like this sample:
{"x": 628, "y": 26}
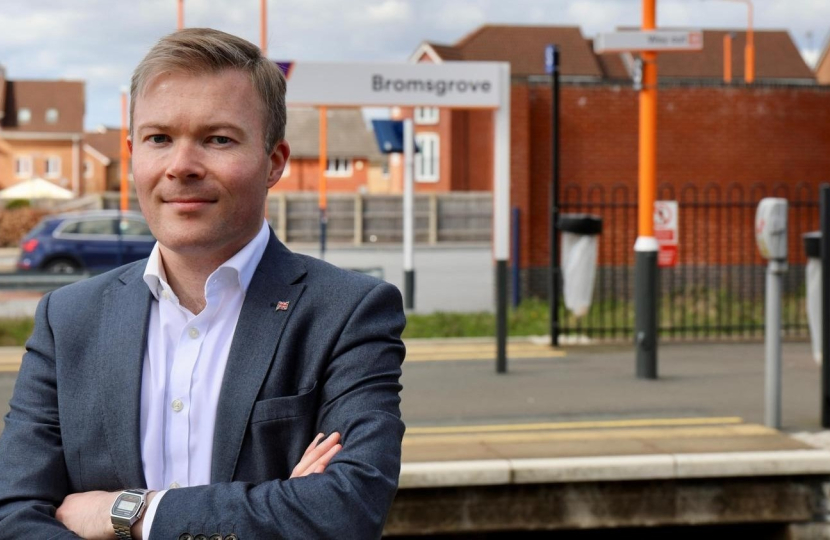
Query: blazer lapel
{"x": 269, "y": 301}
{"x": 125, "y": 315}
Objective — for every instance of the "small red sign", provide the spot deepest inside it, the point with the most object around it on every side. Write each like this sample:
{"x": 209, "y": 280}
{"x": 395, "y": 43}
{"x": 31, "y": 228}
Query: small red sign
{"x": 666, "y": 232}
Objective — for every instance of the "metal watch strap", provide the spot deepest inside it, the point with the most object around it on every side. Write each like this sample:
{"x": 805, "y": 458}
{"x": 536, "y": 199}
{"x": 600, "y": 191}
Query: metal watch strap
{"x": 123, "y": 533}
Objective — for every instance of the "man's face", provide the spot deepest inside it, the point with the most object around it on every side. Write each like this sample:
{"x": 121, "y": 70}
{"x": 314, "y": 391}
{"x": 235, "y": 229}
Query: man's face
{"x": 199, "y": 164}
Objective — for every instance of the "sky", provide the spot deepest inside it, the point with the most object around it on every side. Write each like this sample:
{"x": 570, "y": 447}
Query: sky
{"x": 101, "y": 41}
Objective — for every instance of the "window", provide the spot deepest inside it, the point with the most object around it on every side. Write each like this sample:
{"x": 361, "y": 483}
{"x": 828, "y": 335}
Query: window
{"x": 88, "y": 170}
{"x": 426, "y": 115}
{"x": 135, "y": 227}
{"x": 24, "y": 116}
{"x": 52, "y": 116}
{"x": 23, "y": 167}
{"x": 339, "y": 167}
{"x": 427, "y": 160}
{"x": 93, "y": 226}
{"x": 53, "y": 167}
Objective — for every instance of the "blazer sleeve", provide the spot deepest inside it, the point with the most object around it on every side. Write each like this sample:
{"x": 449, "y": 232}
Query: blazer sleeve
{"x": 360, "y": 399}
{"x": 33, "y": 474}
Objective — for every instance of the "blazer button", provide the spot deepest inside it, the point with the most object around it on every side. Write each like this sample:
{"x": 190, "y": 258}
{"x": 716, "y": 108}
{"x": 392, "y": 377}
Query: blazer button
{"x": 186, "y": 536}
{"x": 215, "y": 537}
{"x": 200, "y": 537}
{"x": 231, "y": 537}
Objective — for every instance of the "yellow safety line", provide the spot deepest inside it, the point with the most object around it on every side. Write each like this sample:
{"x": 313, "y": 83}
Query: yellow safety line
{"x": 595, "y": 424}
{"x": 746, "y": 430}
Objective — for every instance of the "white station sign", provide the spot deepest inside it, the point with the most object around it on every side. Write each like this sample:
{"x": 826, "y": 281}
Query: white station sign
{"x": 450, "y": 84}
{"x": 649, "y": 40}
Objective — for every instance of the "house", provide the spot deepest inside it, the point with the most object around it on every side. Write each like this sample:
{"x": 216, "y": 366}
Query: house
{"x": 102, "y": 160}
{"x": 41, "y": 131}
{"x": 822, "y": 69}
{"x": 353, "y": 160}
{"x": 774, "y": 132}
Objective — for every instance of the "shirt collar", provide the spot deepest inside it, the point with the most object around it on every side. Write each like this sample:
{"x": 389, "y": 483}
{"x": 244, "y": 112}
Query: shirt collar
{"x": 243, "y": 264}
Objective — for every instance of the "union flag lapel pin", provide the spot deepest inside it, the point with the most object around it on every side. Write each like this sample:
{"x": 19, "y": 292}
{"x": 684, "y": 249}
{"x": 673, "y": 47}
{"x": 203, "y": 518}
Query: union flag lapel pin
{"x": 282, "y": 306}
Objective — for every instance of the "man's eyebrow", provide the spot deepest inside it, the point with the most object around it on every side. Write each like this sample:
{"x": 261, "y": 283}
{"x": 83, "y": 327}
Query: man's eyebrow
{"x": 224, "y": 125}
{"x": 153, "y": 127}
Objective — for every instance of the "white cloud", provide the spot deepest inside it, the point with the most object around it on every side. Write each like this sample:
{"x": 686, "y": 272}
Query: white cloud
{"x": 462, "y": 16}
{"x": 389, "y": 10}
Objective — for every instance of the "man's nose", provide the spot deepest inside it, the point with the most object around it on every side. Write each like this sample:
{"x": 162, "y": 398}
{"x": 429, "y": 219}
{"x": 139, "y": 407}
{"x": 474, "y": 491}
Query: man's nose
{"x": 185, "y": 161}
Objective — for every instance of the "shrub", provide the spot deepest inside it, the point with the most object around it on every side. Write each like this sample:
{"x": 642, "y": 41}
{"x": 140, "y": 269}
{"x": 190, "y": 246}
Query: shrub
{"x": 15, "y": 223}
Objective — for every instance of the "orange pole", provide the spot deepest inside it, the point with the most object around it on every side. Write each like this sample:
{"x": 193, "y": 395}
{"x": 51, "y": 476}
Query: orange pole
{"x": 125, "y": 154}
{"x": 180, "y": 22}
{"x": 749, "y": 51}
{"x": 323, "y": 157}
{"x": 648, "y": 130}
{"x": 727, "y": 58}
{"x": 263, "y": 27}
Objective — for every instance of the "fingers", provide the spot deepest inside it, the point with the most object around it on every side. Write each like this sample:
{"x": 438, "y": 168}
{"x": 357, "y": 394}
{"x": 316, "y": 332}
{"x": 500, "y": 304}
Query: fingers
{"x": 313, "y": 444}
{"x": 317, "y": 454}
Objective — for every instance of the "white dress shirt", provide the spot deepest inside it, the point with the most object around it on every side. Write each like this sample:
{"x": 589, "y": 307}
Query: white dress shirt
{"x": 184, "y": 364}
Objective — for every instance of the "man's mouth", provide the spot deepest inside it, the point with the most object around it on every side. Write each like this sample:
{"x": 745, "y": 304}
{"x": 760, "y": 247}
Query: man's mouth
{"x": 188, "y": 204}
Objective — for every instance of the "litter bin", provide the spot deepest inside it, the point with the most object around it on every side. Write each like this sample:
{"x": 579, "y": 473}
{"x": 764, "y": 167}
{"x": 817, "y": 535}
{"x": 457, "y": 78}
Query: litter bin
{"x": 580, "y": 247}
{"x": 812, "y": 248}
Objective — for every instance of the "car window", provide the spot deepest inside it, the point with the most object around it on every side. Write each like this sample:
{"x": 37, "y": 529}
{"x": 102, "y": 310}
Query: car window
{"x": 95, "y": 226}
{"x": 135, "y": 227}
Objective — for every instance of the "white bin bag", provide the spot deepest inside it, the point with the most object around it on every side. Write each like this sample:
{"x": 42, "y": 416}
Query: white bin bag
{"x": 580, "y": 249}
{"x": 812, "y": 248}
{"x": 814, "y": 305}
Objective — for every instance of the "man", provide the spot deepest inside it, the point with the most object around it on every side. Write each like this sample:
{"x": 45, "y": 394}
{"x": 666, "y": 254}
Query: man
{"x": 204, "y": 372}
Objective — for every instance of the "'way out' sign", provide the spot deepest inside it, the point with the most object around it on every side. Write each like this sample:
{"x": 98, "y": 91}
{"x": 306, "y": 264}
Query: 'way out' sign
{"x": 649, "y": 40}
{"x": 451, "y": 84}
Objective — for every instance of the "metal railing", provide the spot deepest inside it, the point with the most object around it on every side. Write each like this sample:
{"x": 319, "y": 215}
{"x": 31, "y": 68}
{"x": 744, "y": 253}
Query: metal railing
{"x": 717, "y": 287}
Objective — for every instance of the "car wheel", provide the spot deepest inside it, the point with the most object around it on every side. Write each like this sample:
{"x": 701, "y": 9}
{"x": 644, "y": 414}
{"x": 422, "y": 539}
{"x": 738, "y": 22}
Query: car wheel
{"x": 61, "y": 266}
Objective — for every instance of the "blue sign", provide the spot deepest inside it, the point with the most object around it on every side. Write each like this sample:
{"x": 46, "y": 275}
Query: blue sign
{"x": 389, "y": 135}
{"x": 551, "y": 59}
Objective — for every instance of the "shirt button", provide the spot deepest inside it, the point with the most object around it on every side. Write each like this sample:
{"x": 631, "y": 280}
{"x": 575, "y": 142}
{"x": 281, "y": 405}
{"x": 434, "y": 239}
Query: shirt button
{"x": 193, "y": 333}
{"x": 165, "y": 295}
{"x": 175, "y": 485}
{"x": 177, "y": 405}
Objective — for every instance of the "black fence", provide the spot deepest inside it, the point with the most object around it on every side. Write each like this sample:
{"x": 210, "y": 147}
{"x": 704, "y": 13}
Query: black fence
{"x": 717, "y": 287}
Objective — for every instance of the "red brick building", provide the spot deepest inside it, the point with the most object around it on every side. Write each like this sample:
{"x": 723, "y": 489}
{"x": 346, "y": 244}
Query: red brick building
{"x": 351, "y": 151}
{"x": 752, "y": 140}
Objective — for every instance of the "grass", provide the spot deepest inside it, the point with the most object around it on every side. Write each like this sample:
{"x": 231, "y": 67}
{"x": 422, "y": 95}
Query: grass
{"x": 15, "y": 332}
{"x": 707, "y": 311}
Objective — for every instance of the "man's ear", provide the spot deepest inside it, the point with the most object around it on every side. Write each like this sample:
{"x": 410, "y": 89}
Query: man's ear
{"x": 130, "y": 144}
{"x": 278, "y": 159}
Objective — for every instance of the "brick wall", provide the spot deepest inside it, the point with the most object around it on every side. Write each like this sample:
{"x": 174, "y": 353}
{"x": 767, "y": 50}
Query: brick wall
{"x": 714, "y": 145}
{"x": 304, "y": 175}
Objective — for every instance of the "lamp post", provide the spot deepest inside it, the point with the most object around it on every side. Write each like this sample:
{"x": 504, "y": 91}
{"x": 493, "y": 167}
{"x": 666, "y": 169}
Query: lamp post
{"x": 749, "y": 49}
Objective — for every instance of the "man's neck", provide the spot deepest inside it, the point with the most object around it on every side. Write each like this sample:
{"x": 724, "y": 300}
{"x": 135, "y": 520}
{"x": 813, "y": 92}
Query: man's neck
{"x": 187, "y": 278}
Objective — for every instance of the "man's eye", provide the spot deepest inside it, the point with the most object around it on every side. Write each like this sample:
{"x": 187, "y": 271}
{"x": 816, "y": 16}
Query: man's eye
{"x": 219, "y": 139}
{"x": 158, "y": 139}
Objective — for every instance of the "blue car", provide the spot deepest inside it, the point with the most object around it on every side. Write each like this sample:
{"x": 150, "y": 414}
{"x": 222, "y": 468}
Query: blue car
{"x": 92, "y": 241}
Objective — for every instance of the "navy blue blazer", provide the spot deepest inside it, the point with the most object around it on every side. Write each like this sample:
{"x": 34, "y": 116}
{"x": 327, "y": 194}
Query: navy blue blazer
{"x": 330, "y": 362}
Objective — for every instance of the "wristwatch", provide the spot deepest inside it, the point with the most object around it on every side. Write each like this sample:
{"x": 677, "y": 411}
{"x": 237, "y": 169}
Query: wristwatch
{"x": 126, "y": 510}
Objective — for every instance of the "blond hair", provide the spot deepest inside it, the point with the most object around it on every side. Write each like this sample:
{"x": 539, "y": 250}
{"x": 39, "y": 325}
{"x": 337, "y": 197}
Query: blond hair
{"x": 200, "y": 51}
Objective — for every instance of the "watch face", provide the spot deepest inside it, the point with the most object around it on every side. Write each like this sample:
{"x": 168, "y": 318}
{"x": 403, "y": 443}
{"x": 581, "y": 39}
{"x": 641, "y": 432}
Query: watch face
{"x": 126, "y": 505}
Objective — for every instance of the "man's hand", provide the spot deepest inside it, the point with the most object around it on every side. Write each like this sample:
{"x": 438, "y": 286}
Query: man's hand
{"x": 317, "y": 455}
{"x": 88, "y": 514}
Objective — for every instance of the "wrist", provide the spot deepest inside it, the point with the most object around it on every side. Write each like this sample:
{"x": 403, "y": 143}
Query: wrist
{"x": 137, "y": 530}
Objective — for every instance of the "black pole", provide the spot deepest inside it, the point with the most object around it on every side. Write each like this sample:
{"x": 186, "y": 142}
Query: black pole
{"x": 552, "y": 63}
{"x": 516, "y": 255}
{"x": 501, "y": 316}
{"x": 825, "y": 305}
